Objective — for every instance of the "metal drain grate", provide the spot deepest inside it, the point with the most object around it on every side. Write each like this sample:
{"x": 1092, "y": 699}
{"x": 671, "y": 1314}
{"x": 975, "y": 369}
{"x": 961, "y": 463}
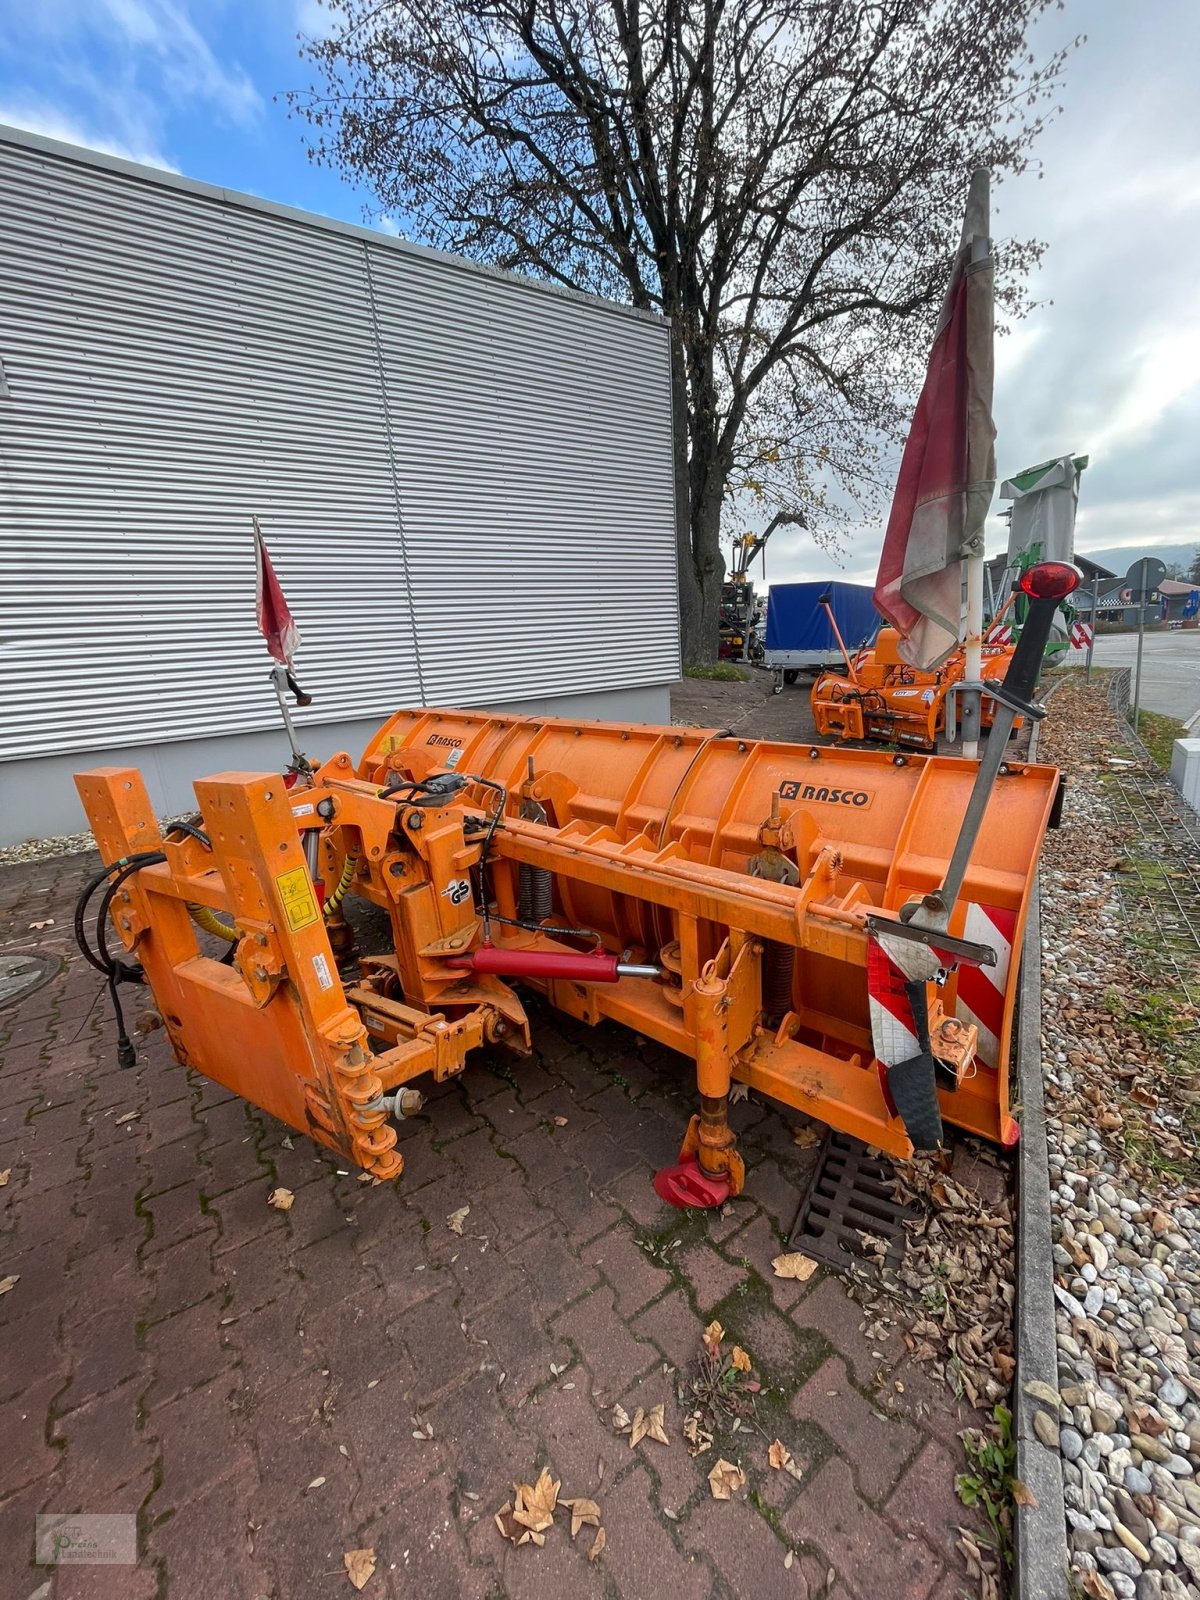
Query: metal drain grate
{"x": 23, "y": 971}
{"x": 850, "y": 1194}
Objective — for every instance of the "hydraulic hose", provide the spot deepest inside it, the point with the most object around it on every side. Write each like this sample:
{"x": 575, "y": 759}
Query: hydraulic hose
{"x": 204, "y": 918}
{"x": 334, "y": 900}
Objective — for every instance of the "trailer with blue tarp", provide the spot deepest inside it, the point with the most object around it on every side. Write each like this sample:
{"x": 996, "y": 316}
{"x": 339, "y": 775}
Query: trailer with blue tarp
{"x": 799, "y": 633}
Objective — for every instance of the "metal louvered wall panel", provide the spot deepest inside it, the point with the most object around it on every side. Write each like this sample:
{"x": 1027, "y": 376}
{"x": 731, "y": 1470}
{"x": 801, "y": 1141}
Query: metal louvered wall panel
{"x": 464, "y": 478}
{"x": 533, "y": 454}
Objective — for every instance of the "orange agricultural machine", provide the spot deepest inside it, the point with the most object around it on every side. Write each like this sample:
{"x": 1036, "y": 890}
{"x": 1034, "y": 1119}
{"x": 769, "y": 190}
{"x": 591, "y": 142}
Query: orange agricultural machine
{"x": 880, "y": 696}
{"x": 799, "y": 919}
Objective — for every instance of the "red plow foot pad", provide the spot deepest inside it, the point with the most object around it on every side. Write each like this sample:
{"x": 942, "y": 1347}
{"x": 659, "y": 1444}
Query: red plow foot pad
{"x": 688, "y": 1185}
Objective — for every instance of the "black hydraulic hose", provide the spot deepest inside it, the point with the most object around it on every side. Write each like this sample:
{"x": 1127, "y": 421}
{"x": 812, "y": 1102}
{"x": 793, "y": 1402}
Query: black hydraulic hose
{"x": 193, "y": 831}
{"x": 144, "y": 858}
{"x": 116, "y": 972}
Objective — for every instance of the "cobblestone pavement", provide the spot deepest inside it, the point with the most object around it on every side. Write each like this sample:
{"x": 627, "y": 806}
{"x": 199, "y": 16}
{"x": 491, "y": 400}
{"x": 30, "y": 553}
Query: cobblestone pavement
{"x": 245, "y": 1380}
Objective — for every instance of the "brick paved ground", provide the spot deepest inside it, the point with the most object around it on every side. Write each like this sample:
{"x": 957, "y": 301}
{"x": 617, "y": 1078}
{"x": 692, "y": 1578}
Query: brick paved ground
{"x": 178, "y": 1349}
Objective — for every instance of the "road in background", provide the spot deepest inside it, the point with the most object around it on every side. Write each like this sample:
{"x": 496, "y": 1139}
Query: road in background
{"x": 1170, "y": 667}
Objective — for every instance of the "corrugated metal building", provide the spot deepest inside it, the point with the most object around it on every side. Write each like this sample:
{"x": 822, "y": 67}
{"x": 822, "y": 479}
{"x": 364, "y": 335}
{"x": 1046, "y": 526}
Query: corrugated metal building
{"x": 465, "y": 479}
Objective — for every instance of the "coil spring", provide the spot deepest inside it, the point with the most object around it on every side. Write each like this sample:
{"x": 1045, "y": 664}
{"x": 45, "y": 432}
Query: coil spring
{"x": 778, "y": 961}
{"x": 535, "y": 894}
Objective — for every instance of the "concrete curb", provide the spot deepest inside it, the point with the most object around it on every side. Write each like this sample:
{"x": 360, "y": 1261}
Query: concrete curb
{"x": 1040, "y": 1539}
{"x": 1040, "y": 1532}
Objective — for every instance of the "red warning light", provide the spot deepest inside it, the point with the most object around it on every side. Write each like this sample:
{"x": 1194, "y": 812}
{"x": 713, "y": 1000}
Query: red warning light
{"x": 1051, "y": 580}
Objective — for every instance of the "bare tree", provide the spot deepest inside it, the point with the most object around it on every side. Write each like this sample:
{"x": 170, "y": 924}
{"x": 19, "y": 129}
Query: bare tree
{"x": 783, "y": 179}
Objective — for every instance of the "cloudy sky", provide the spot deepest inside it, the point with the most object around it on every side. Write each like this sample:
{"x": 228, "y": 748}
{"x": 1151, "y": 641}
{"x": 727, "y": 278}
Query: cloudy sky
{"x": 1108, "y": 364}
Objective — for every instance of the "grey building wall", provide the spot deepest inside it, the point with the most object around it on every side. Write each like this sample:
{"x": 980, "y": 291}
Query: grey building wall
{"x": 465, "y": 479}
{"x": 38, "y": 798}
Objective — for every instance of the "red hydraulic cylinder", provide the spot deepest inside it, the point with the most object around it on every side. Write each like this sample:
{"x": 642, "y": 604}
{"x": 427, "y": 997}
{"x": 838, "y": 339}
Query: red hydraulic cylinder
{"x": 582, "y": 966}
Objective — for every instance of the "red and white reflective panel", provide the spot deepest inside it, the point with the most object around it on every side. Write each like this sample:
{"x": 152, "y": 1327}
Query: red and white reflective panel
{"x": 1000, "y": 634}
{"x": 1081, "y": 635}
{"x": 981, "y": 989}
{"x": 893, "y": 1032}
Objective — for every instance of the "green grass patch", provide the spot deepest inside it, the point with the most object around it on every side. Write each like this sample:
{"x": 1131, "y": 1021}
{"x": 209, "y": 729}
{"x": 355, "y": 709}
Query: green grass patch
{"x": 718, "y": 672}
{"x": 1158, "y": 734}
{"x": 991, "y": 1483}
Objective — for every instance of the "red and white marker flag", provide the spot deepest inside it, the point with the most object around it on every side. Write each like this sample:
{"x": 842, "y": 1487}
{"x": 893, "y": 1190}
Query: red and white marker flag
{"x": 948, "y": 469}
{"x": 275, "y": 620}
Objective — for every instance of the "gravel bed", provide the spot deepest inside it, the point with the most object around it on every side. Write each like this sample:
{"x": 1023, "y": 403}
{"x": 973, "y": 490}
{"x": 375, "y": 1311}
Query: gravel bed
{"x": 65, "y": 844}
{"x": 1121, "y": 1108}
{"x": 68, "y": 844}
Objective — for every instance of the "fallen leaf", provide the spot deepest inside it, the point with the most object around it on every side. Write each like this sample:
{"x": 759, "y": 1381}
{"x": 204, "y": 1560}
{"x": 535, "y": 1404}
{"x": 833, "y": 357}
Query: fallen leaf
{"x": 794, "y": 1265}
{"x": 130, "y": 1116}
{"x": 805, "y": 1137}
{"x": 1022, "y": 1494}
{"x": 316, "y": 1483}
{"x": 286, "y": 1142}
{"x": 560, "y": 1122}
{"x": 740, "y": 1360}
{"x": 49, "y": 923}
{"x": 4, "y": 1176}
{"x": 713, "y": 1334}
{"x": 697, "y": 1440}
{"x": 648, "y": 1425}
{"x": 281, "y": 1199}
{"x": 778, "y": 1454}
{"x": 620, "y": 1419}
{"x": 10, "y": 1282}
{"x": 738, "y": 1091}
{"x": 598, "y": 1544}
{"x": 365, "y": 1177}
{"x": 788, "y": 1559}
{"x": 456, "y": 1219}
{"x": 534, "y": 1505}
{"x": 360, "y": 1564}
{"x": 725, "y": 1479}
{"x": 583, "y": 1513}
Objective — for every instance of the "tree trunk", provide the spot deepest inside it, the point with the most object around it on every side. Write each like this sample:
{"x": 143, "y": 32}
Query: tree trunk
{"x": 707, "y": 569}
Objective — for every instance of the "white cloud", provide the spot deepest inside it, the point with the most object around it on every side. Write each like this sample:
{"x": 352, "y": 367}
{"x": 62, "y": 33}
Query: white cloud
{"x": 314, "y": 19}
{"x": 51, "y": 123}
{"x": 388, "y": 225}
{"x": 111, "y": 74}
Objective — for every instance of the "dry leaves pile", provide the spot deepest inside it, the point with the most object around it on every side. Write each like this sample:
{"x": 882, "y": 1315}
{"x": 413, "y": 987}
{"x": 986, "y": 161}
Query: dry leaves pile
{"x": 957, "y": 1273}
{"x": 526, "y": 1518}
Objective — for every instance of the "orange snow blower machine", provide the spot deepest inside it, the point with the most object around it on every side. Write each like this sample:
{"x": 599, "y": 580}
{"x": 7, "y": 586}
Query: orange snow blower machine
{"x": 799, "y": 919}
{"x": 880, "y": 696}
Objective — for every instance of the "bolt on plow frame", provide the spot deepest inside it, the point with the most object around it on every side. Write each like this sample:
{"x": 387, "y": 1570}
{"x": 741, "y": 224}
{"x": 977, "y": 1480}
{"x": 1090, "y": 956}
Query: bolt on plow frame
{"x": 748, "y": 904}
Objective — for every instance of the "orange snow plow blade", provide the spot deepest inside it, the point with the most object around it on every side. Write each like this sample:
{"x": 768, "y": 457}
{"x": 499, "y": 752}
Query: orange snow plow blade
{"x": 717, "y": 895}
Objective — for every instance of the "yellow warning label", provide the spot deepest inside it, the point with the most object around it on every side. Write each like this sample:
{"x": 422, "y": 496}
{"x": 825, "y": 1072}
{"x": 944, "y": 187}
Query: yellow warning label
{"x": 299, "y": 902}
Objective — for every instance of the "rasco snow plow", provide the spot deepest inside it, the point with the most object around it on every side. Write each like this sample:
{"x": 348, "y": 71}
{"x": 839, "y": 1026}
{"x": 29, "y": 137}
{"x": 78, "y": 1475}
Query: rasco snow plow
{"x": 838, "y": 929}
